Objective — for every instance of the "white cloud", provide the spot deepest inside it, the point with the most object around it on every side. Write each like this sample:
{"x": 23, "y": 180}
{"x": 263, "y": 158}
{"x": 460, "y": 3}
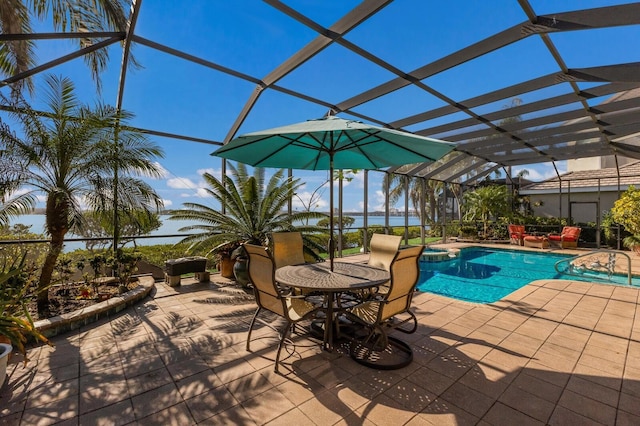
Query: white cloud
{"x": 167, "y": 203}
{"x": 358, "y": 179}
{"x": 301, "y": 201}
{"x": 379, "y": 200}
{"x": 217, "y": 173}
{"x": 202, "y": 193}
{"x": 181, "y": 183}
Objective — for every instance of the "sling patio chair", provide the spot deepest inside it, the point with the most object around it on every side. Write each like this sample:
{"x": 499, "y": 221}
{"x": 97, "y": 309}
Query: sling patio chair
{"x": 367, "y": 323}
{"x": 270, "y": 297}
{"x": 287, "y": 248}
{"x": 383, "y": 250}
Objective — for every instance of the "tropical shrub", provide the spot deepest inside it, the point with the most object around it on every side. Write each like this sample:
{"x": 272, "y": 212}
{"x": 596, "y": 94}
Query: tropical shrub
{"x": 254, "y": 210}
{"x": 626, "y": 212}
{"x": 485, "y": 203}
{"x": 69, "y": 153}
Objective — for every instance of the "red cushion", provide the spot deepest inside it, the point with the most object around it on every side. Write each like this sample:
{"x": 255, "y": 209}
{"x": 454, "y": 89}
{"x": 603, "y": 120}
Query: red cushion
{"x": 571, "y": 232}
{"x": 567, "y": 238}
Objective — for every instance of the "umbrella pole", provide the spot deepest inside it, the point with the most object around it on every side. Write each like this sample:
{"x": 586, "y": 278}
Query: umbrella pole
{"x": 331, "y": 243}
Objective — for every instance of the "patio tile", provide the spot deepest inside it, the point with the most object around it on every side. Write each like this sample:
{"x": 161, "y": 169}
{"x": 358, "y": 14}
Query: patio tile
{"x": 594, "y": 375}
{"x": 233, "y": 370}
{"x": 301, "y": 388}
{"x": 52, "y": 411}
{"x": 120, "y": 413}
{"x": 235, "y": 415}
{"x": 569, "y": 337}
{"x": 105, "y": 393}
{"x": 291, "y": 417}
{"x": 537, "y": 387}
{"x": 198, "y": 383}
{"x": 626, "y": 419}
{"x": 499, "y": 363}
{"x": 451, "y": 364}
{"x": 49, "y": 392}
{"x": 383, "y": 410}
{"x": 431, "y": 380}
{"x": 141, "y": 365}
{"x": 522, "y": 402}
{"x": 148, "y": 381}
{"x": 208, "y": 404}
{"x": 608, "y": 367}
{"x": 444, "y": 413}
{"x": 176, "y": 415}
{"x": 267, "y": 406}
{"x": 248, "y": 387}
{"x": 411, "y": 396}
{"x": 468, "y": 399}
{"x": 324, "y": 408}
{"x": 501, "y": 413}
{"x": 594, "y": 410}
{"x": 562, "y": 417}
{"x": 155, "y": 400}
{"x": 180, "y": 370}
{"x": 487, "y": 380}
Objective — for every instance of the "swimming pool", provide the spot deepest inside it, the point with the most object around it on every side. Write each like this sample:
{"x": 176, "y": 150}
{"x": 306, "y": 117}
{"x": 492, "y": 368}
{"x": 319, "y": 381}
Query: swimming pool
{"x": 484, "y": 275}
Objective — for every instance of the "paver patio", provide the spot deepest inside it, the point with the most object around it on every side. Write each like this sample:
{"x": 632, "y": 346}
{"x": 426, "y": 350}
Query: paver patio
{"x": 553, "y": 352}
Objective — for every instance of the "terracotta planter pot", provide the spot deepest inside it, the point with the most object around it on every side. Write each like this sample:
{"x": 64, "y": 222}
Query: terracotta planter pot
{"x": 226, "y": 267}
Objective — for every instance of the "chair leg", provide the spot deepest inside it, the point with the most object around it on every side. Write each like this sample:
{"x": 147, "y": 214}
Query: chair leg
{"x": 253, "y": 321}
{"x": 411, "y": 318}
{"x": 284, "y": 333}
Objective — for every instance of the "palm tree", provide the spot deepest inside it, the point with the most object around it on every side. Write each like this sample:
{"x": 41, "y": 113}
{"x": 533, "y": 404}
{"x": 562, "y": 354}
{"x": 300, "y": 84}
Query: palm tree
{"x": 69, "y": 154}
{"x": 17, "y": 56}
{"x": 394, "y": 183}
{"x": 485, "y": 202}
{"x": 254, "y": 209}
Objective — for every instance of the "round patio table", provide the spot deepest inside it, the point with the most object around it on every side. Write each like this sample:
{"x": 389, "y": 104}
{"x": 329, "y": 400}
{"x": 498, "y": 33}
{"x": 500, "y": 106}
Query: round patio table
{"x": 317, "y": 277}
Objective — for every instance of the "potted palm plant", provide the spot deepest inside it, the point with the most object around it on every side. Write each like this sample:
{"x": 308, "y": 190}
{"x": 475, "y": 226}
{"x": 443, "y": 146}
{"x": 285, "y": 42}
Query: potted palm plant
{"x": 255, "y": 208}
{"x": 16, "y": 324}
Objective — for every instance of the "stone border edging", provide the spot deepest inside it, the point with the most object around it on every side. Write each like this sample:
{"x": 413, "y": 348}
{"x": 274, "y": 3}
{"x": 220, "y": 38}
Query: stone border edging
{"x": 73, "y": 320}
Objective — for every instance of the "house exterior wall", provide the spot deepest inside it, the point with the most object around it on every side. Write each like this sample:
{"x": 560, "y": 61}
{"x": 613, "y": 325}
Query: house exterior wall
{"x": 581, "y": 164}
{"x": 580, "y": 212}
{"x": 597, "y": 163}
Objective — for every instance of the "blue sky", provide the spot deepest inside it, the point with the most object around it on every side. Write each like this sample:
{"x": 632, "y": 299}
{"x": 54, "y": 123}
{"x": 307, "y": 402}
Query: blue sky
{"x": 172, "y": 95}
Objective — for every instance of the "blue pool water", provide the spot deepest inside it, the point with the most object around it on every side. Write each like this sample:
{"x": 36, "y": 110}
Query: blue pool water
{"x": 483, "y": 275}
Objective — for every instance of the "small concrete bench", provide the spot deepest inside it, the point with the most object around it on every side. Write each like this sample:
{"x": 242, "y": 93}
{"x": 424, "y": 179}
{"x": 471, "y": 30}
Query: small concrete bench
{"x": 173, "y": 268}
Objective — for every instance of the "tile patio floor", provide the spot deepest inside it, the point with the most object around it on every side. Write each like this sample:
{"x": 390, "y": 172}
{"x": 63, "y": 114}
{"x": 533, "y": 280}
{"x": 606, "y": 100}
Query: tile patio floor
{"x": 553, "y": 352}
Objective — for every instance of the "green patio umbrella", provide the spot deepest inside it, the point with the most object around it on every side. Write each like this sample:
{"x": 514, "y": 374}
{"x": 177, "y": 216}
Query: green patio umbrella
{"x": 331, "y": 143}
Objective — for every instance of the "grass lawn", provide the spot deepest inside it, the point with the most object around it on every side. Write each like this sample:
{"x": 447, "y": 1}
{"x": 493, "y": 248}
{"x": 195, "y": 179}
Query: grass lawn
{"x": 412, "y": 241}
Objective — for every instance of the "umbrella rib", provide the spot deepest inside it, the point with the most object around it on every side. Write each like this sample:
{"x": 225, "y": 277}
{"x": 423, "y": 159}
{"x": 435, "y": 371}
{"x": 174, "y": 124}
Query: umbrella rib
{"x": 357, "y": 144}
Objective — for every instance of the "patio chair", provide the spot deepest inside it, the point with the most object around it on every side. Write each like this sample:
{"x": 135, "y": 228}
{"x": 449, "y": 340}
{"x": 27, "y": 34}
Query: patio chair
{"x": 517, "y": 234}
{"x": 383, "y": 249}
{"x": 288, "y": 248}
{"x": 270, "y": 297}
{"x": 568, "y": 238}
{"x": 385, "y": 312}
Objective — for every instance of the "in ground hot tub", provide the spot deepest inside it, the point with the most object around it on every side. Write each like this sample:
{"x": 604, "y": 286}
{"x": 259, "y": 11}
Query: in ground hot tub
{"x": 439, "y": 255}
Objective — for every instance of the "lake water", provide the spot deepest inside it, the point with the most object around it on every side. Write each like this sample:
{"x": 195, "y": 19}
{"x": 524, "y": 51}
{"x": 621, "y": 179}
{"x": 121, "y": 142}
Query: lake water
{"x": 171, "y": 227}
